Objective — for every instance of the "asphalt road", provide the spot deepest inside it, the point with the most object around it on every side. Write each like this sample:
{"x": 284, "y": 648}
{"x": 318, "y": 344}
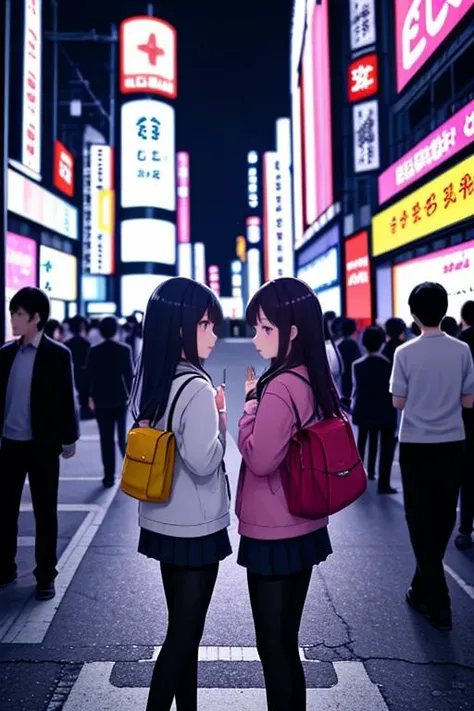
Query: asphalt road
{"x": 91, "y": 649}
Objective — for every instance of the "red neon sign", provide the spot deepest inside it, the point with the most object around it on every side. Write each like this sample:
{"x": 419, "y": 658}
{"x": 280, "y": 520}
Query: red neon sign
{"x": 63, "y": 169}
{"x": 363, "y": 78}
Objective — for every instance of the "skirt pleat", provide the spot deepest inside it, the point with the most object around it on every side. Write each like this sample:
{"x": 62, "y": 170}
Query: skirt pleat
{"x": 286, "y": 556}
{"x": 185, "y": 552}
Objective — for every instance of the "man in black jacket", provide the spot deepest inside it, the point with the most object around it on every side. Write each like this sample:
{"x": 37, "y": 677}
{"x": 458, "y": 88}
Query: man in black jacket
{"x": 80, "y": 347}
{"x": 38, "y": 422}
{"x": 109, "y": 375}
{"x": 350, "y": 352}
{"x": 373, "y": 411}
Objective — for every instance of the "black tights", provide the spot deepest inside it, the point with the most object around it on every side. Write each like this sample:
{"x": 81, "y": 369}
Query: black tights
{"x": 277, "y": 607}
{"x": 188, "y": 594}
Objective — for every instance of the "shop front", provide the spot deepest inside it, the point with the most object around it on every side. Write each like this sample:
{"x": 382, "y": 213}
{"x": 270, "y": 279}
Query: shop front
{"x": 318, "y": 266}
{"x": 427, "y": 236}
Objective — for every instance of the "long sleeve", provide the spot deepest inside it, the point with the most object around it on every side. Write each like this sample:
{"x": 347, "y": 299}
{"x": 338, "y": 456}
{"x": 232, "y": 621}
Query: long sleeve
{"x": 128, "y": 370}
{"x": 69, "y": 416}
{"x": 264, "y": 436}
{"x": 200, "y": 441}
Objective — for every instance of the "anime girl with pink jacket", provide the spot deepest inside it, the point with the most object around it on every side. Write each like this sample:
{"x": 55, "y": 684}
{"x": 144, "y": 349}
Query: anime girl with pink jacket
{"x": 278, "y": 549}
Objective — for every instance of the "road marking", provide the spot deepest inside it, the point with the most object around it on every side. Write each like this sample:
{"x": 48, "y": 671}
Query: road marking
{"x": 29, "y": 624}
{"x": 225, "y": 654}
{"x": 354, "y": 691}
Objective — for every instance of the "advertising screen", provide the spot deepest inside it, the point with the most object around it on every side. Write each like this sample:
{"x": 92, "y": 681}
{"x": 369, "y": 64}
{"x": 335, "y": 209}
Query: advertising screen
{"x": 32, "y": 67}
{"x": 58, "y": 274}
{"x": 31, "y": 201}
{"x": 358, "y": 287}
{"x": 102, "y": 210}
{"x": 452, "y": 136}
{"x": 148, "y": 173}
{"x": 317, "y": 126}
{"x": 148, "y": 240}
{"x": 63, "y": 177}
{"x": 148, "y": 57}
{"x": 20, "y": 269}
{"x": 277, "y": 217}
{"x": 452, "y": 267}
{"x": 420, "y": 27}
{"x": 322, "y": 272}
{"x": 441, "y": 202}
{"x": 137, "y": 289}
{"x": 184, "y": 199}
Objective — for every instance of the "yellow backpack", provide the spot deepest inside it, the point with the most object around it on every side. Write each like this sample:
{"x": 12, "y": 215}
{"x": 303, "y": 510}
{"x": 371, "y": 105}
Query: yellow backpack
{"x": 147, "y": 473}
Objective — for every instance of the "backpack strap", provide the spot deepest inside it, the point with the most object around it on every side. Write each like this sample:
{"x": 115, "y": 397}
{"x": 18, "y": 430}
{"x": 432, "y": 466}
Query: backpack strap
{"x": 295, "y": 409}
{"x": 176, "y": 398}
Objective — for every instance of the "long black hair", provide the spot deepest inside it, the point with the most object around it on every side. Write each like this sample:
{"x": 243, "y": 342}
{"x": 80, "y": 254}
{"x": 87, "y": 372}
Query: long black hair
{"x": 170, "y": 326}
{"x": 288, "y": 302}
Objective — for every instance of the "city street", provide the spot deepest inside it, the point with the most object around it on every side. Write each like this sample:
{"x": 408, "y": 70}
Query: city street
{"x": 92, "y": 647}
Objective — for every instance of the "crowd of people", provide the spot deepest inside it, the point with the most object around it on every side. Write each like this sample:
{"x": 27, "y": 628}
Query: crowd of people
{"x": 412, "y": 385}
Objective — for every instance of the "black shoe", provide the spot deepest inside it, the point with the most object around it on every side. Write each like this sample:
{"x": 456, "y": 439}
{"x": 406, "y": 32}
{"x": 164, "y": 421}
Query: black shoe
{"x": 108, "y": 482}
{"x": 371, "y": 477}
{"x": 6, "y": 580}
{"x": 442, "y": 619}
{"x": 463, "y": 542}
{"x": 45, "y": 591}
{"x": 387, "y": 490}
{"x": 416, "y": 604}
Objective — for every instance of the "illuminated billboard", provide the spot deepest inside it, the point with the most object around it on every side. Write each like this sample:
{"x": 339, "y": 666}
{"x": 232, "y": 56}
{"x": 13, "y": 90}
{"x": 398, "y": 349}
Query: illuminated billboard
{"x": 322, "y": 275}
{"x": 185, "y": 260}
{"x": 363, "y": 79}
{"x": 420, "y": 27}
{"x": 452, "y": 136}
{"x": 253, "y": 271}
{"x": 452, "y": 267}
{"x": 278, "y": 245}
{"x": 296, "y": 139}
{"x": 199, "y": 262}
{"x": 136, "y": 290}
{"x": 32, "y": 68}
{"x": 214, "y": 279}
{"x": 20, "y": 270}
{"x": 363, "y": 26}
{"x": 102, "y": 210}
{"x": 252, "y": 180}
{"x": 254, "y": 230}
{"x": 148, "y": 61}
{"x": 148, "y": 240}
{"x": 148, "y": 174}
{"x": 440, "y": 203}
{"x": 183, "y": 199}
{"x": 63, "y": 175}
{"x": 58, "y": 274}
{"x": 366, "y": 136}
{"x": 358, "y": 287}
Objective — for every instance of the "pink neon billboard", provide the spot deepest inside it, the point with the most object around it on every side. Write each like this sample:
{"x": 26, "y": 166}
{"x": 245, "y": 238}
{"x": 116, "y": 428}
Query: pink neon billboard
{"x": 322, "y": 108}
{"x": 183, "y": 201}
{"x": 421, "y": 26}
{"x": 20, "y": 262}
{"x": 452, "y": 136}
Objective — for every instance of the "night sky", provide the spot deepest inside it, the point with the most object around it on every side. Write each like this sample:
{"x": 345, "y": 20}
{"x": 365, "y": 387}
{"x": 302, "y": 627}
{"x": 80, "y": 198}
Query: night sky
{"x": 233, "y": 83}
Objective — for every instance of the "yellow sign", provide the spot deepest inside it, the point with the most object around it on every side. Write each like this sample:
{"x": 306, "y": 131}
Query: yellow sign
{"x": 241, "y": 248}
{"x": 438, "y": 204}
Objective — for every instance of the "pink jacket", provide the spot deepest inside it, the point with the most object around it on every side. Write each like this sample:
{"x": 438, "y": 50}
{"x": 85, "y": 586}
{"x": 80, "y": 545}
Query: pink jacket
{"x": 264, "y": 437}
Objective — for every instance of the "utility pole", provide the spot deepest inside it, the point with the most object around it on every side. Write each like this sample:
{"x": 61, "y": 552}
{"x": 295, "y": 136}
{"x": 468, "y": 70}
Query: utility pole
{"x": 4, "y": 96}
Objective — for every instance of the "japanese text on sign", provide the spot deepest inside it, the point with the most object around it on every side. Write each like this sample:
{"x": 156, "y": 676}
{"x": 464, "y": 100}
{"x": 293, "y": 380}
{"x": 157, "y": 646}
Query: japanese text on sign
{"x": 363, "y": 78}
{"x": 32, "y": 53}
{"x": 441, "y": 202}
{"x": 366, "y": 136}
{"x": 362, "y": 14}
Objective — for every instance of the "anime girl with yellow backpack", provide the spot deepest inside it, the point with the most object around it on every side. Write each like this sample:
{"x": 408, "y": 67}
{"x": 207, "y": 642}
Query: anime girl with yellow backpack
{"x": 174, "y": 466}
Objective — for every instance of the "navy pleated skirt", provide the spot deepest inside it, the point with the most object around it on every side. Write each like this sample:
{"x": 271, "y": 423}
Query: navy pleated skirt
{"x": 286, "y": 556}
{"x": 185, "y": 552}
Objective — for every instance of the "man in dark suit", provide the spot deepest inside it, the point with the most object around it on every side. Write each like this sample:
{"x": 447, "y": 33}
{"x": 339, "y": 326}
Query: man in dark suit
{"x": 38, "y": 422}
{"x": 109, "y": 375}
{"x": 80, "y": 347}
{"x": 350, "y": 352}
{"x": 396, "y": 331}
{"x": 373, "y": 411}
{"x": 464, "y": 538}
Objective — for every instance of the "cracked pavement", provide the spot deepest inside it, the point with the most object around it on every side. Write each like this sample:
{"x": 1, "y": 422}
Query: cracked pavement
{"x": 114, "y": 609}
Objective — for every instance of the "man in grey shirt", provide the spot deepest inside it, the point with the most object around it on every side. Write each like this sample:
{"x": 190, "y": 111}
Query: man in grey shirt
{"x": 432, "y": 380}
{"x": 38, "y": 422}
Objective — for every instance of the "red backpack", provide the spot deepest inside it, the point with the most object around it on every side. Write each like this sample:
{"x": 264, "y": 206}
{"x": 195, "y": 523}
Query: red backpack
{"x": 324, "y": 472}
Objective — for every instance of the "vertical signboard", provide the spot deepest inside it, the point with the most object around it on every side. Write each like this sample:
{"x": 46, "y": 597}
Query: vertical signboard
{"x": 366, "y": 136}
{"x": 252, "y": 180}
{"x": 32, "y": 58}
{"x": 363, "y": 80}
{"x": 358, "y": 288}
{"x": 363, "y": 25}
{"x": 63, "y": 172}
{"x": 253, "y": 271}
{"x": 213, "y": 279}
{"x": 199, "y": 251}
{"x": 102, "y": 210}
{"x": 296, "y": 135}
{"x": 254, "y": 230}
{"x": 278, "y": 243}
{"x": 148, "y": 61}
{"x": 20, "y": 270}
{"x": 185, "y": 260}
{"x": 148, "y": 173}
{"x": 184, "y": 198}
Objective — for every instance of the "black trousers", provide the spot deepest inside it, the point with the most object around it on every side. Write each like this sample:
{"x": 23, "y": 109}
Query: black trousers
{"x": 42, "y": 465}
{"x": 431, "y": 475}
{"x": 467, "y": 485}
{"x": 386, "y": 434}
{"x": 108, "y": 418}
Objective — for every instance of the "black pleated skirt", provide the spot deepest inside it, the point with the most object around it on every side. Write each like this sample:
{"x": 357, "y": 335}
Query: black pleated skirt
{"x": 286, "y": 556}
{"x": 185, "y": 552}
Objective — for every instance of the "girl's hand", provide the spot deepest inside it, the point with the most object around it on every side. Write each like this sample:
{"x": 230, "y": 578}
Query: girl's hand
{"x": 220, "y": 398}
{"x": 250, "y": 386}
{"x": 250, "y": 407}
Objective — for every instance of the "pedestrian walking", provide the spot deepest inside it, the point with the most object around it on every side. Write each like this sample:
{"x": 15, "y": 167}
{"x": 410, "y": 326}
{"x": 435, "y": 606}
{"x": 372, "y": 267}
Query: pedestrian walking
{"x": 336, "y": 365}
{"x": 350, "y": 352}
{"x": 188, "y": 533}
{"x": 278, "y": 549}
{"x": 464, "y": 538}
{"x": 450, "y": 326}
{"x": 108, "y": 383}
{"x": 38, "y": 423}
{"x": 432, "y": 379}
{"x": 372, "y": 408}
{"x": 396, "y": 332}
{"x": 53, "y": 329}
{"x": 80, "y": 347}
